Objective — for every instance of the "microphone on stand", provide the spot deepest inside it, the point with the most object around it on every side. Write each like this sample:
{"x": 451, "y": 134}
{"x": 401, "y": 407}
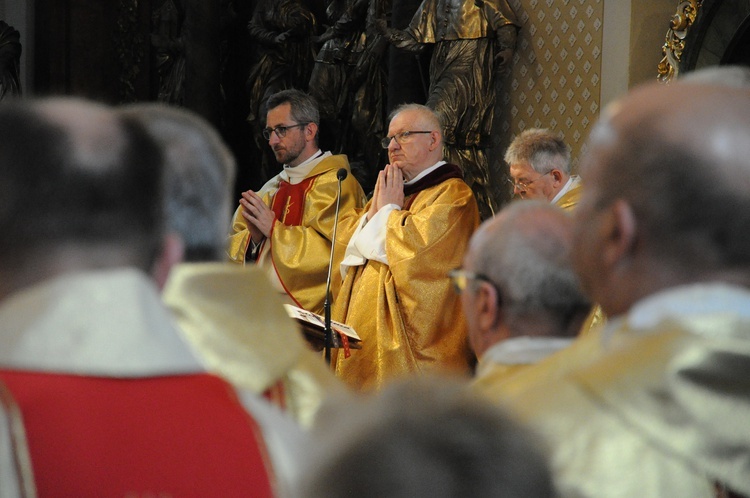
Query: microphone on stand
{"x": 332, "y": 340}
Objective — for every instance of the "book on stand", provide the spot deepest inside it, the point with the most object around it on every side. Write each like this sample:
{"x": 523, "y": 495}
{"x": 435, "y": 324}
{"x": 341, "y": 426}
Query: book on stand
{"x": 314, "y": 327}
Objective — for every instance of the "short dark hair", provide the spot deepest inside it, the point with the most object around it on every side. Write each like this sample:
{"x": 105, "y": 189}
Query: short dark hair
{"x": 303, "y": 106}
{"x": 423, "y": 437}
{"x": 56, "y": 191}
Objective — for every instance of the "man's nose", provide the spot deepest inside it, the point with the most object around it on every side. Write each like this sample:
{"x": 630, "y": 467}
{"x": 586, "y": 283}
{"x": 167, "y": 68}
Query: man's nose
{"x": 273, "y": 139}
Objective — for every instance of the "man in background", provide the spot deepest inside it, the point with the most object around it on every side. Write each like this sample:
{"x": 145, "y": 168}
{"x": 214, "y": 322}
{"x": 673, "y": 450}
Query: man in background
{"x": 539, "y": 162}
{"x": 396, "y": 293}
{"x": 230, "y": 315}
{"x": 656, "y": 404}
{"x": 521, "y": 298}
{"x": 287, "y": 226}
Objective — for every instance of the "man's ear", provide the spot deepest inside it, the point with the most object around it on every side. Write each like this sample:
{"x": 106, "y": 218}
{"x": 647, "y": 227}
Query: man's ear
{"x": 621, "y": 235}
{"x": 557, "y": 177}
{"x": 311, "y": 131}
{"x": 172, "y": 252}
{"x": 435, "y": 140}
{"x": 487, "y": 309}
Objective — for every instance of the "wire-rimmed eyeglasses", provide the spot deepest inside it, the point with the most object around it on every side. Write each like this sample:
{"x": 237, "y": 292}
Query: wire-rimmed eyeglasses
{"x": 280, "y": 130}
{"x": 460, "y": 279}
{"x": 522, "y": 186}
{"x": 401, "y": 138}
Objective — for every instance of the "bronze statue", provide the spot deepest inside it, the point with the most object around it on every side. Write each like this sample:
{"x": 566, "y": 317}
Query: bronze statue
{"x": 10, "y": 60}
{"x": 348, "y": 81}
{"x": 343, "y": 41}
{"x": 169, "y": 51}
{"x": 473, "y": 46}
{"x": 282, "y": 31}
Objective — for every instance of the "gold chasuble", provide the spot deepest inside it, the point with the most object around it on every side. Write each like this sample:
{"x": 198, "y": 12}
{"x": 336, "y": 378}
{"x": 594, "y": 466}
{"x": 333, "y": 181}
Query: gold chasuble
{"x": 407, "y": 313}
{"x": 569, "y": 200}
{"x": 297, "y": 252}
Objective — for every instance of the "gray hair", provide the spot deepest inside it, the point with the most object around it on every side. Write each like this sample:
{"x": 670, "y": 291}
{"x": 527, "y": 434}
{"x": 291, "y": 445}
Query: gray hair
{"x": 525, "y": 251}
{"x": 199, "y": 177}
{"x": 540, "y": 148}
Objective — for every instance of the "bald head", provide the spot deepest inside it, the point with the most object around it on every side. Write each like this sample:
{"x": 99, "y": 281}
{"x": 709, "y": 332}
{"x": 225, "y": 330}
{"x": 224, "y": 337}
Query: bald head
{"x": 525, "y": 252}
{"x": 422, "y": 144}
{"x": 668, "y": 199}
{"x": 74, "y": 178}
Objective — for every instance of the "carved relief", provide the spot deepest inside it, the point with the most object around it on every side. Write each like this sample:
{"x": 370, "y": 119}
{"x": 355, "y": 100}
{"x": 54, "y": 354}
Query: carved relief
{"x": 674, "y": 44}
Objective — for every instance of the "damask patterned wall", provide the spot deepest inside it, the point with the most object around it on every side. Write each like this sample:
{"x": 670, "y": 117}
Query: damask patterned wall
{"x": 556, "y": 74}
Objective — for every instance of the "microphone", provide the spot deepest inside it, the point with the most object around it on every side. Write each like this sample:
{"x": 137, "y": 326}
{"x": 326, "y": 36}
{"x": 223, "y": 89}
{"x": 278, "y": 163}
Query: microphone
{"x": 332, "y": 340}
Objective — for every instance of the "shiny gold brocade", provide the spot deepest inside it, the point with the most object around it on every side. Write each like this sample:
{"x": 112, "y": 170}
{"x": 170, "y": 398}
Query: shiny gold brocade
{"x": 298, "y": 256}
{"x": 570, "y": 199}
{"x": 407, "y": 314}
{"x": 237, "y": 325}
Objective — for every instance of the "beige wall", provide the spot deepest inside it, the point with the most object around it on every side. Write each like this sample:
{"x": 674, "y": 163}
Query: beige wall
{"x": 556, "y": 74}
{"x": 575, "y": 56}
{"x": 648, "y": 28}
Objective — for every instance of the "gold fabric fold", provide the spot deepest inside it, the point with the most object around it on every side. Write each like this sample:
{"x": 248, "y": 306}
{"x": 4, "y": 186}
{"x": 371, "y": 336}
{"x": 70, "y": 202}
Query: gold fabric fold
{"x": 570, "y": 199}
{"x": 298, "y": 256}
{"x": 672, "y": 405}
{"x": 237, "y": 325}
{"x": 407, "y": 313}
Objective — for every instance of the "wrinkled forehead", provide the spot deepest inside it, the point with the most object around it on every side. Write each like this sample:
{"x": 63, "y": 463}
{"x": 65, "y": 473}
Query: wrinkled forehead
{"x": 95, "y": 132}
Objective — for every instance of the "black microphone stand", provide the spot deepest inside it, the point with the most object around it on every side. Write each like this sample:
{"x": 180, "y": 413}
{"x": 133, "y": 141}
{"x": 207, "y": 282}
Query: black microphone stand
{"x": 332, "y": 340}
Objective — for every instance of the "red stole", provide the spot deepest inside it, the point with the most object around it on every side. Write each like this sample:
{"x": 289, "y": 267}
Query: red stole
{"x": 289, "y": 201}
{"x": 182, "y": 435}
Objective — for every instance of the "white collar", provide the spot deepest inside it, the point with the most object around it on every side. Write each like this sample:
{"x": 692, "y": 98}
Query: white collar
{"x": 572, "y": 182}
{"x": 523, "y": 350}
{"x": 295, "y": 174}
{"x": 108, "y": 323}
{"x": 425, "y": 172}
{"x": 688, "y": 301}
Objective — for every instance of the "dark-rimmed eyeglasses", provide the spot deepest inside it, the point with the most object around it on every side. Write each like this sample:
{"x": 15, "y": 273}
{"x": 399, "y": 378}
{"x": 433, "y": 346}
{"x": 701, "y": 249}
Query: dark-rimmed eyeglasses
{"x": 461, "y": 278}
{"x": 280, "y": 131}
{"x": 401, "y": 138}
{"x": 525, "y": 185}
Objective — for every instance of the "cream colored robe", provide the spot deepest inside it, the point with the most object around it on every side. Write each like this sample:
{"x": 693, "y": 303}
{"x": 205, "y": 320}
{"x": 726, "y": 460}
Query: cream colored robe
{"x": 407, "y": 313}
{"x": 661, "y": 410}
{"x": 238, "y": 326}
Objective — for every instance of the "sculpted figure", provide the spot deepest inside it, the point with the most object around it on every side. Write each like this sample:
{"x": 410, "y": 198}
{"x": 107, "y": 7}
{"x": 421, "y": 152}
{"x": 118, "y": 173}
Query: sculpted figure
{"x": 473, "y": 45}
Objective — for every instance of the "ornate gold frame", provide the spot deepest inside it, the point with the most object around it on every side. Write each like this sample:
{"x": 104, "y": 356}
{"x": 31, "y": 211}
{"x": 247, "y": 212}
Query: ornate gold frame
{"x": 669, "y": 66}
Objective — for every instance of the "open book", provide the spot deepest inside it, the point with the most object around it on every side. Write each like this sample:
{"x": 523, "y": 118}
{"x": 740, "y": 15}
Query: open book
{"x": 314, "y": 326}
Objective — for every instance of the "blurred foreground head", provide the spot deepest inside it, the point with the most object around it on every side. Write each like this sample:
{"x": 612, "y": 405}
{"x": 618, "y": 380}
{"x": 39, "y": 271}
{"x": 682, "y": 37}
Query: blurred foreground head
{"x": 423, "y": 438}
{"x": 80, "y": 189}
{"x": 667, "y": 200}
